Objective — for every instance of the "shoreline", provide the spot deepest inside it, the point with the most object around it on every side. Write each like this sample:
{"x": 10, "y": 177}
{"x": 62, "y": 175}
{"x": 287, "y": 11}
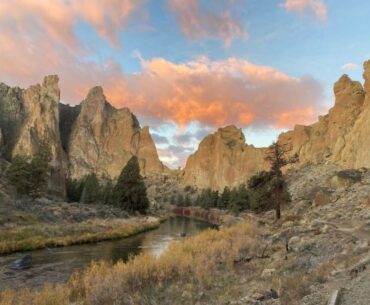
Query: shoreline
{"x": 41, "y": 236}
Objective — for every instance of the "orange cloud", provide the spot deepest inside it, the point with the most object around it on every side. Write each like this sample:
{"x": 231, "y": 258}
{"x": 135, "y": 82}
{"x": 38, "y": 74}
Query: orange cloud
{"x": 317, "y": 7}
{"x": 56, "y": 18}
{"x": 196, "y": 22}
{"x": 36, "y": 39}
{"x": 217, "y": 93}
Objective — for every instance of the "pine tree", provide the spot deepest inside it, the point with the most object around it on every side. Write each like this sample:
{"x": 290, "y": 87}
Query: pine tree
{"x": 74, "y": 189}
{"x": 180, "y": 201}
{"x": 39, "y": 170}
{"x": 225, "y": 198}
{"x": 187, "y": 201}
{"x": 107, "y": 194}
{"x": 91, "y": 190}
{"x": 30, "y": 177}
{"x": 19, "y": 174}
{"x": 276, "y": 156}
{"x": 130, "y": 189}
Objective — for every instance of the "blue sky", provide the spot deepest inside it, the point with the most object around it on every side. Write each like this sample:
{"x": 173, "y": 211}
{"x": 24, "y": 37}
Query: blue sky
{"x": 188, "y": 67}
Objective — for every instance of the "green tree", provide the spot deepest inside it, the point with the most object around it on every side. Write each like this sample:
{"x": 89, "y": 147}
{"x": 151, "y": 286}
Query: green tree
{"x": 239, "y": 199}
{"x": 107, "y": 193}
{"x": 180, "y": 201}
{"x": 225, "y": 198}
{"x": 91, "y": 189}
{"x": 39, "y": 170}
{"x": 30, "y": 177}
{"x": 74, "y": 189}
{"x": 19, "y": 174}
{"x": 130, "y": 189}
{"x": 187, "y": 201}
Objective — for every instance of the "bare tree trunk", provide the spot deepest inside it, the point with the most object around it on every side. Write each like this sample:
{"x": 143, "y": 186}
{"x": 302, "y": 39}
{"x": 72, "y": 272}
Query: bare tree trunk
{"x": 277, "y": 202}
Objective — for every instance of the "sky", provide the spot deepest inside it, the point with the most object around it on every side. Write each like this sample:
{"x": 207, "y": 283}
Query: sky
{"x": 188, "y": 67}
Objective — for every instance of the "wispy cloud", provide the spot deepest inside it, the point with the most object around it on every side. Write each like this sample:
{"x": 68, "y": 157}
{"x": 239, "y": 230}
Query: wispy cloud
{"x": 197, "y": 22}
{"x": 316, "y": 7}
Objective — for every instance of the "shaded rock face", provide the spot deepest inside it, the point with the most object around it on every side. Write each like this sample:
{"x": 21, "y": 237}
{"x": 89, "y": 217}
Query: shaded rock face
{"x": 223, "y": 159}
{"x": 341, "y": 137}
{"x": 103, "y": 139}
{"x": 29, "y": 116}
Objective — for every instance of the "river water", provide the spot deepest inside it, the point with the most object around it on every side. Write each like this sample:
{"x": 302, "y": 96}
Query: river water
{"x": 57, "y": 264}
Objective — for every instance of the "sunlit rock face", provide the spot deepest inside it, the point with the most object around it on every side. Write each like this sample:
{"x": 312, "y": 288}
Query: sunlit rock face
{"x": 342, "y": 136}
{"x": 29, "y": 116}
{"x": 104, "y": 138}
{"x": 223, "y": 159}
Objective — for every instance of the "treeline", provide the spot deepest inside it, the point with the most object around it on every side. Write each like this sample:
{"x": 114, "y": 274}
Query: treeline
{"x": 258, "y": 196}
{"x": 29, "y": 176}
{"x": 129, "y": 192}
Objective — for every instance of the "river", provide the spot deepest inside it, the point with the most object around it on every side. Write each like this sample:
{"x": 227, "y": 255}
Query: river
{"x": 57, "y": 264}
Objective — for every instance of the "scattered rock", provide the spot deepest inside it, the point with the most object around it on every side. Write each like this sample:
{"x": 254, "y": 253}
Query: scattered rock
{"x": 22, "y": 263}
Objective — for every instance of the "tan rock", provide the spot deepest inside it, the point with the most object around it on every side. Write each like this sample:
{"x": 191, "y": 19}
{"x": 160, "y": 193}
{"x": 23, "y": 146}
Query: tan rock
{"x": 223, "y": 159}
{"x": 104, "y": 138}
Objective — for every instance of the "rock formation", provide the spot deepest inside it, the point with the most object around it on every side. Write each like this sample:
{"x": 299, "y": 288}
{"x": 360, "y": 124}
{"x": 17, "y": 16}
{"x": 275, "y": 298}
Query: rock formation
{"x": 30, "y": 116}
{"x": 91, "y": 137}
{"x": 103, "y": 139}
{"x": 341, "y": 137}
{"x": 223, "y": 159}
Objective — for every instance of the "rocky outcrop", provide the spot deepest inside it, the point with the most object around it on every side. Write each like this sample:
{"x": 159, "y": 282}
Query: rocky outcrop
{"x": 104, "y": 138}
{"x": 91, "y": 137}
{"x": 342, "y": 136}
{"x": 29, "y": 116}
{"x": 223, "y": 159}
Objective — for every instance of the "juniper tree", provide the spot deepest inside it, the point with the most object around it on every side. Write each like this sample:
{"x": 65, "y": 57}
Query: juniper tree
{"x": 91, "y": 189}
{"x": 130, "y": 190}
{"x": 276, "y": 156}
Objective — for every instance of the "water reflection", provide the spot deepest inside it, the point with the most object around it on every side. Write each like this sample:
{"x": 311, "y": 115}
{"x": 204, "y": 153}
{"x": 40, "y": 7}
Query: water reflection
{"x": 56, "y": 265}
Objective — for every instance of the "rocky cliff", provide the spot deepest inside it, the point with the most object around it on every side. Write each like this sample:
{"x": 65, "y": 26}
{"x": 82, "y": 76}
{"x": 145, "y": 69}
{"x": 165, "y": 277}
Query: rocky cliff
{"x": 29, "y": 116}
{"x": 102, "y": 139}
{"x": 91, "y": 137}
{"x": 223, "y": 159}
{"x": 342, "y": 136}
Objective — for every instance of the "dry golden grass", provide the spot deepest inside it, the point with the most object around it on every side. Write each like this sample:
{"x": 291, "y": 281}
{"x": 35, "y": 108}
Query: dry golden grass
{"x": 39, "y": 236}
{"x": 194, "y": 262}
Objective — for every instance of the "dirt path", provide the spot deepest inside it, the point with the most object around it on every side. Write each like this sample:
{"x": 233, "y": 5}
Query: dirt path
{"x": 358, "y": 293}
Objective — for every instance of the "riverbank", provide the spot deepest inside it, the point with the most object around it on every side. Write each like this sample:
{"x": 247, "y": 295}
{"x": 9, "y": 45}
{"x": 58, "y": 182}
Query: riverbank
{"x": 213, "y": 216}
{"x": 28, "y": 226}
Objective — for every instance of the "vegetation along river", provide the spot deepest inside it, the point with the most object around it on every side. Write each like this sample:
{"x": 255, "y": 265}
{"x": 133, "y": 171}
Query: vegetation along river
{"x": 57, "y": 264}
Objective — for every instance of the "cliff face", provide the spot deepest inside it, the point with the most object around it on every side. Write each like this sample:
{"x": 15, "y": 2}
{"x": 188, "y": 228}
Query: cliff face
{"x": 91, "y": 137}
{"x": 103, "y": 139}
{"x": 223, "y": 159}
{"x": 30, "y": 116}
{"x": 341, "y": 137}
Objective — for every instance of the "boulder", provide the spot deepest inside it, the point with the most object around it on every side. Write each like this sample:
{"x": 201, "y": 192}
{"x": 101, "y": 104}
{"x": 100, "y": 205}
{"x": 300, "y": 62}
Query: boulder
{"x": 323, "y": 197}
{"x": 22, "y": 263}
{"x": 344, "y": 178}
